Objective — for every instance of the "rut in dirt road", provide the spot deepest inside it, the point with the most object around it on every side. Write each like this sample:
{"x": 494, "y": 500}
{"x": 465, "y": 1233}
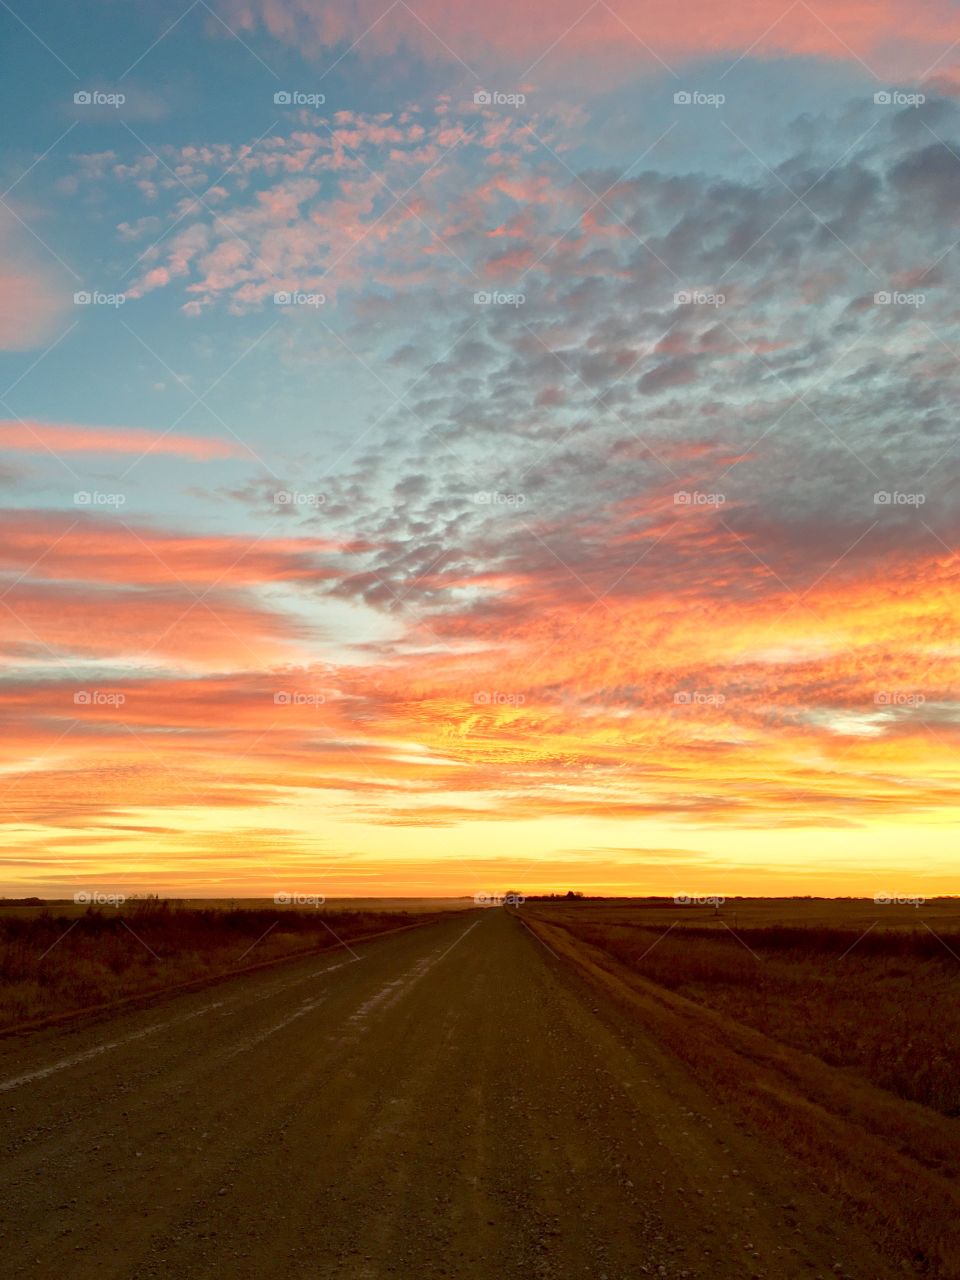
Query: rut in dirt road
{"x": 452, "y": 1103}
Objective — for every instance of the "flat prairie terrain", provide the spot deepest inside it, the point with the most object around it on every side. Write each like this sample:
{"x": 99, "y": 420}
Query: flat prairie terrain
{"x": 846, "y": 913}
{"x": 490, "y": 1094}
{"x": 872, "y": 988}
{"x": 832, "y": 1026}
{"x": 62, "y": 958}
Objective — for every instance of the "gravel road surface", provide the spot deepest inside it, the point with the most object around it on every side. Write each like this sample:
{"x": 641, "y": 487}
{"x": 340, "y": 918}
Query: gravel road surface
{"x": 445, "y": 1101}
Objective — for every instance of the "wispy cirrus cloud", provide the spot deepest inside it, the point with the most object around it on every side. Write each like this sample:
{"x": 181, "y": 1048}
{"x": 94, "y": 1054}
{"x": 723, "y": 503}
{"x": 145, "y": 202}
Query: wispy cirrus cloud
{"x": 30, "y": 436}
{"x": 609, "y": 36}
{"x": 83, "y": 548}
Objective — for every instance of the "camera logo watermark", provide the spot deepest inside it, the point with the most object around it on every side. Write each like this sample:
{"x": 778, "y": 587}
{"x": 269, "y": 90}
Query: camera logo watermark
{"x": 698, "y": 298}
{"x": 698, "y": 698}
{"x": 695, "y": 98}
{"x": 686, "y": 498}
{"x": 296, "y": 98}
{"x": 97, "y": 98}
{"x": 495, "y": 698}
{"x": 894, "y": 298}
{"x": 88, "y": 498}
{"x": 895, "y": 98}
{"x": 97, "y": 298}
{"x": 483, "y": 298}
{"x": 485, "y": 98}
{"x": 98, "y": 698}
{"x": 298, "y": 899}
{"x": 295, "y": 699}
{"x": 895, "y": 498}
{"x": 294, "y": 498}
{"x": 898, "y": 900}
{"x": 93, "y": 898}
{"x": 296, "y": 298}
{"x": 499, "y": 899}
{"x": 699, "y": 900}
{"x": 494, "y": 498}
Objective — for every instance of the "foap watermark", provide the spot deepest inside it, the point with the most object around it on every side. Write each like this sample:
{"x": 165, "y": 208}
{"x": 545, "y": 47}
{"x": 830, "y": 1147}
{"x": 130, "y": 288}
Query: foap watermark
{"x": 897, "y": 98}
{"x": 894, "y": 498}
{"x": 98, "y": 698}
{"x": 496, "y": 698}
{"x": 93, "y": 498}
{"x": 97, "y": 98}
{"x": 499, "y": 899}
{"x": 696, "y": 98}
{"x": 298, "y": 298}
{"x": 698, "y": 298}
{"x": 896, "y": 298}
{"x": 698, "y": 698}
{"x": 699, "y": 899}
{"x": 898, "y": 900}
{"x": 296, "y": 699}
{"x": 97, "y": 298}
{"x": 296, "y": 498}
{"x": 494, "y": 498}
{"x": 94, "y": 898}
{"x": 493, "y": 298}
{"x": 496, "y": 98}
{"x": 299, "y": 899}
{"x": 694, "y": 498}
{"x": 898, "y": 698}
{"x": 296, "y": 98}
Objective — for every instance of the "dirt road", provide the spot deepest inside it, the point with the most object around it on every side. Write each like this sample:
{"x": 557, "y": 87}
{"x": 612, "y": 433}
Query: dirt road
{"x": 450, "y": 1101}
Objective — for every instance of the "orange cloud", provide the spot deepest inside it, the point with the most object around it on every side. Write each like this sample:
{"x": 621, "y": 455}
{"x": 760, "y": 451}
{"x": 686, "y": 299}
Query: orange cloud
{"x": 53, "y": 545}
{"x": 85, "y": 588}
{"x": 46, "y": 437}
{"x": 65, "y": 625}
{"x": 833, "y": 711}
{"x": 632, "y": 32}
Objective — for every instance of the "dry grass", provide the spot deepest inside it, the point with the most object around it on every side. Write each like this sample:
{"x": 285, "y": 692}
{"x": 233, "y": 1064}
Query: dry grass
{"x": 884, "y": 1004}
{"x": 61, "y": 960}
{"x": 845, "y": 1056}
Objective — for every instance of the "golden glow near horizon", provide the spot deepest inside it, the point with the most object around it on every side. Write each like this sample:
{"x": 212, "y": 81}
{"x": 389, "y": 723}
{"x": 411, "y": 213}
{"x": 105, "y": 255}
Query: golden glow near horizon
{"x": 618, "y": 763}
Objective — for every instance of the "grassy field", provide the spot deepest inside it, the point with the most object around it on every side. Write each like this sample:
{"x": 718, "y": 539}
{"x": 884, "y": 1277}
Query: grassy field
{"x": 831, "y": 1026}
{"x": 874, "y": 989}
{"x": 60, "y": 958}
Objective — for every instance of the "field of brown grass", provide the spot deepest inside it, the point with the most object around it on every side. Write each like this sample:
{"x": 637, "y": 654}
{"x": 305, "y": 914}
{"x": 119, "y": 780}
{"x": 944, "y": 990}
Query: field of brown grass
{"x": 62, "y": 958}
{"x": 831, "y": 1027}
{"x": 872, "y": 989}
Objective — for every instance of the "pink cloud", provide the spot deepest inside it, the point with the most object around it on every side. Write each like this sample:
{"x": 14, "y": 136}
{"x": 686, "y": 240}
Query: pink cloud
{"x": 31, "y": 308}
{"x": 44, "y": 437}
{"x": 223, "y": 629}
{"x": 898, "y": 32}
{"x": 946, "y": 82}
{"x": 154, "y": 279}
{"x": 87, "y": 587}
{"x": 60, "y": 546}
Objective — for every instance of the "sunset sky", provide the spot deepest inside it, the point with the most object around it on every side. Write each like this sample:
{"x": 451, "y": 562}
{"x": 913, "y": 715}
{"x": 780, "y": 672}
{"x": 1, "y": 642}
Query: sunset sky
{"x": 504, "y": 445}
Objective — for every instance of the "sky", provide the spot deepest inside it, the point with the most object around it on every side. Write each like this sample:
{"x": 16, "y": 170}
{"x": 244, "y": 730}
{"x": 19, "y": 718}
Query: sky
{"x": 450, "y": 447}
